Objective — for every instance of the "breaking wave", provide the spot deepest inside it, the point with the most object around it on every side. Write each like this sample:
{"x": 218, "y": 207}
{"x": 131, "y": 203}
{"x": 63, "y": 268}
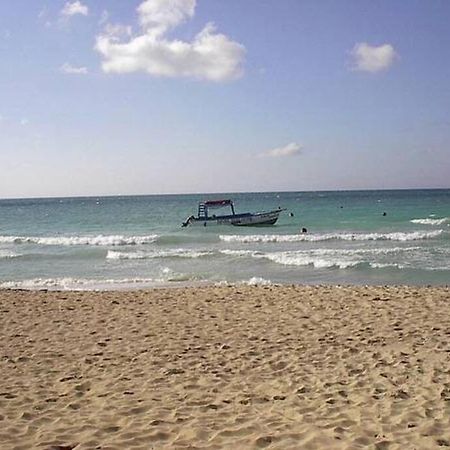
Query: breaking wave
{"x": 174, "y": 253}
{"x": 332, "y": 258}
{"x": 325, "y": 251}
{"x": 100, "y": 240}
{"x": 395, "y": 236}
{"x": 386, "y": 266}
{"x": 296, "y": 259}
{"x": 85, "y": 284}
{"x": 6, "y": 254}
{"x": 320, "y": 258}
{"x": 438, "y": 268}
{"x": 241, "y": 253}
{"x": 429, "y": 221}
{"x": 72, "y": 283}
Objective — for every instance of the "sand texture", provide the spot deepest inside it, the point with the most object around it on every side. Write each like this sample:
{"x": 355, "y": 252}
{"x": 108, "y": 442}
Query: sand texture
{"x": 292, "y": 367}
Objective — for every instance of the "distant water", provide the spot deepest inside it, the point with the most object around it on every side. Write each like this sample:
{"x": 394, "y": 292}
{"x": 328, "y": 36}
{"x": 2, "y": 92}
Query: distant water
{"x": 137, "y": 241}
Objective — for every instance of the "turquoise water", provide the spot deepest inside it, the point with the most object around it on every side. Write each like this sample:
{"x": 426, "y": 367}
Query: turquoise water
{"x": 137, "y": 241}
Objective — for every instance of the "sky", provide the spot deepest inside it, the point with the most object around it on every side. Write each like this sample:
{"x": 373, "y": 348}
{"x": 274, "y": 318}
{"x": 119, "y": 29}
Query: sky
{"x": 114, "y": 97}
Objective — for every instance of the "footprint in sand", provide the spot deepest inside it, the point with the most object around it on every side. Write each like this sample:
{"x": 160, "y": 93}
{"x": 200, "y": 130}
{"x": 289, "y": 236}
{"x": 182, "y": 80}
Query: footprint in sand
{"x": 264, "y": 441}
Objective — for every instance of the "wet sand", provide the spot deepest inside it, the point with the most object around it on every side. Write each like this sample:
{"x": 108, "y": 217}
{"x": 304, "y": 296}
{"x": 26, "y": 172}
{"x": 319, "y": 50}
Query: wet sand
{"x": 291, "y": 367}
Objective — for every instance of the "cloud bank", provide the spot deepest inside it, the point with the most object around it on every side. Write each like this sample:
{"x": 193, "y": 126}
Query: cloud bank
{"x": 209, "y": 56}
{"x": 291, "y": 149}
{"x": 369, "y": 58}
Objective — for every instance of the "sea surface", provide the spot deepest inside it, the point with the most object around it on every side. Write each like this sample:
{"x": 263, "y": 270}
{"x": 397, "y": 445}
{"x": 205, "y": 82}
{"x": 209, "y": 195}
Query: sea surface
{"x": 138, "y": 241}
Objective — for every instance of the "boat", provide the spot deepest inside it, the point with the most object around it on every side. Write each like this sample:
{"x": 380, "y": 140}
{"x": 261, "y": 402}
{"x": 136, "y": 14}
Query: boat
{"x": 204, "y": 218}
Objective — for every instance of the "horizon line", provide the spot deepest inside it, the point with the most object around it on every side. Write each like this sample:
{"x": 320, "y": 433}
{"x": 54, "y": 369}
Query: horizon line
{"x": 225, "y": 192}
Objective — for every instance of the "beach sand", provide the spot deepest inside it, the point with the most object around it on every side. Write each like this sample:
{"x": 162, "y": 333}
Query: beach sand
{"x": 277, "y": 367}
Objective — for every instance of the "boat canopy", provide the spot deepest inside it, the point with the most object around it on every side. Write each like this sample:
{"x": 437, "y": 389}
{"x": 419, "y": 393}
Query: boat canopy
{"x": 217, "y": 203}
{"x": 203, "y": 207}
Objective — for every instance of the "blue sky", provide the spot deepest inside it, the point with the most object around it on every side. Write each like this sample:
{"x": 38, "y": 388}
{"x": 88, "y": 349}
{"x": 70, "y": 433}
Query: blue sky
{"x": 180, "y": 96}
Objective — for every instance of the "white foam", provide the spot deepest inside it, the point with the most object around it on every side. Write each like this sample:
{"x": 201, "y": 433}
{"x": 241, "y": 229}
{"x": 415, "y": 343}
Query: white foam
{"x": 239, "y": 253}
{"x": 302, "y": 259}
{"x": 362, "y": 251}
{"x": 69, "y": 283}
{"x": 326, "y": 251}
{"x": 223, "y": 283}
{"x": 318, "y": 258}
{"x": 396, "y": 236}
{"x": 99, "y": 240}
{"x": 258, "y": 281}
{"x": 386, "y": 265}
{"x": 6, "y": 254}
{"x": 322, "y": 257}
{"x": 429, "y": 221}
{"x": 262, "y": 238}
{"x": 173, "y": 253}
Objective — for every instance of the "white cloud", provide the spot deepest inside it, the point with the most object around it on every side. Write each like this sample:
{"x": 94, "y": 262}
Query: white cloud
{"x": 291, "y": 149}
{"x": 369, "y": 58}
{"x": 73, "y": 8}
{"x": 117, "y": 30}
{"x": 158, "y": 16}
{"x": 209, "y": 56}
{"x": 67, "y": 68}
{"x": 24, "y": 121}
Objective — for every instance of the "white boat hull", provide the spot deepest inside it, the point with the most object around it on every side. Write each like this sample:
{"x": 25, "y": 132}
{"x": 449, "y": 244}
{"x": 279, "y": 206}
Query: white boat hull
{"x": 257, "y": 219}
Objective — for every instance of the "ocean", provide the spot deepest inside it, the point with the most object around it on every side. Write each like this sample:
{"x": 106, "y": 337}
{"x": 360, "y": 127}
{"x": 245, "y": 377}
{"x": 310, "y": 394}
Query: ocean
{"x": 354, "y": 237}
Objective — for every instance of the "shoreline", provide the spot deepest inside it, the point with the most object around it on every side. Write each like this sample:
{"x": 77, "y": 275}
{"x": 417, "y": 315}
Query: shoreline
{"x": 276, "y": 366}
{"x": 136, "y": 287}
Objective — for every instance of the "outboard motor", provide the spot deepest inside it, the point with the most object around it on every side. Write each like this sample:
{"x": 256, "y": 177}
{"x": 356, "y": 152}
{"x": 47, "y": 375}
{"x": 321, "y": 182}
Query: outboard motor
{"x": 187, "y": 221}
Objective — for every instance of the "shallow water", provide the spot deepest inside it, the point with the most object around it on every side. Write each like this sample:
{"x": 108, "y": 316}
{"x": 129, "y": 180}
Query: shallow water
{"x": 137, "y": 241}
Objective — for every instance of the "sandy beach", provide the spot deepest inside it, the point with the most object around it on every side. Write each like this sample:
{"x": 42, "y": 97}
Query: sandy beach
{"x": 278, "y": 367}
